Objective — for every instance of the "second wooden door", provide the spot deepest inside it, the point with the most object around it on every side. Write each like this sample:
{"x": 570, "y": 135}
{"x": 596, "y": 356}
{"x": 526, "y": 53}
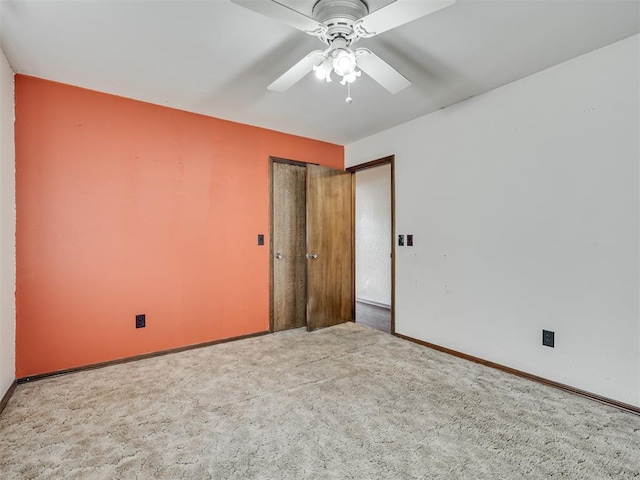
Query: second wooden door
{"x": 329, "y": 237}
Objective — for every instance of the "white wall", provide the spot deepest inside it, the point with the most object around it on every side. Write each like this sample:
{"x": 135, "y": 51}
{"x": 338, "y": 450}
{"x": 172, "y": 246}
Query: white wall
{"x": 373, "y": 235}
{"x": 524, "y": 204}
{"x": 7, "y": 228}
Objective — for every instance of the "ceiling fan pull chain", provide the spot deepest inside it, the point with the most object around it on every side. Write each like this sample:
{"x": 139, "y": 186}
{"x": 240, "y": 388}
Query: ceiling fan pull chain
{"x": 349, "y": 99}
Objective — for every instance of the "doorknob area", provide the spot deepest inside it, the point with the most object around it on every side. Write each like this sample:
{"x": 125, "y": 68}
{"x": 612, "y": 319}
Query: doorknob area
{"x": 279, "y": 256}
{"x": 312, "y": 256}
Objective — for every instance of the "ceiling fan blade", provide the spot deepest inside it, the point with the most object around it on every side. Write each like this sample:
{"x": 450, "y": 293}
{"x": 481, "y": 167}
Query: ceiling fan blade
{"x": 380, "y": 71}
{"x": 398, "y": 13}
{"x": 295, "y": 73}
{"x": 281, "y": 12}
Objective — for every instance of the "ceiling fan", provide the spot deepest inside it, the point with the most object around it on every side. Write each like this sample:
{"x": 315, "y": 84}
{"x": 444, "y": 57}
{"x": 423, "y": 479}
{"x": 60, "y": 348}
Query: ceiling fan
{"x": 339, "y": 24}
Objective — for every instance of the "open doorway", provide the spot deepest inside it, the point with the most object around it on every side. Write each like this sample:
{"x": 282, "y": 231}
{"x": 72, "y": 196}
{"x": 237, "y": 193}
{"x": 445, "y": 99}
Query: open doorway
{"x": 373, "y": 245}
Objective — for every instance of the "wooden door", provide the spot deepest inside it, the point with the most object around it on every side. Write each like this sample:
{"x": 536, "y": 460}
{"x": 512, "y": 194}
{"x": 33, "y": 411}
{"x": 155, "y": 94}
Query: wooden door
{"x": 329, "y": 248}
{"x": 289, "y": 246}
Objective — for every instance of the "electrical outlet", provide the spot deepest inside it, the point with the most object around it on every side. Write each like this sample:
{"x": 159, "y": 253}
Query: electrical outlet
{"x": 548, "y": 339}
{"x": 140, "y": 320}
{"x": 401, "y": 240}
{"x": 410, "y": 240}
{"x": 260, "y": 239}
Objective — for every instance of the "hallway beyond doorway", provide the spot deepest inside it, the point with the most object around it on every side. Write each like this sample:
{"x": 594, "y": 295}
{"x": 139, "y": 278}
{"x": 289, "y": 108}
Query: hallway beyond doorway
{"x": 373, "y": 316}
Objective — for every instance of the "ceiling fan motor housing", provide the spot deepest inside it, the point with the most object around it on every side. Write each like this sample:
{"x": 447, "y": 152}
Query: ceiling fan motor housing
{"x": 339, "y": 17}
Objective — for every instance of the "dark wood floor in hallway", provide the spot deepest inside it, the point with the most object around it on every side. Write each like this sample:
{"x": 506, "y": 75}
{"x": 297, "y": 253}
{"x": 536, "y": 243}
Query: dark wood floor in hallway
{"x": 373, "y": 316}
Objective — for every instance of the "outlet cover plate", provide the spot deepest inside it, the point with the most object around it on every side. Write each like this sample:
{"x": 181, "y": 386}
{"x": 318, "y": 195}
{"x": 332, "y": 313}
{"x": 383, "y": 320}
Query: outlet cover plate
{"x": 141, "y": 320}
{"x": 548, "y": 338}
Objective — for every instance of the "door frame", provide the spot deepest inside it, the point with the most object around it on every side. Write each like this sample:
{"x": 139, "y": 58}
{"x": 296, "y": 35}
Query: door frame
{"x": 389, "y": 160}
{"x": 273, "y": 160}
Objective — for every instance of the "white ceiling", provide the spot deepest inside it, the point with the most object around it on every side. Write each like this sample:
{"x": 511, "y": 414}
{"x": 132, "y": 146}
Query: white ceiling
{"x": 217, "y": 58}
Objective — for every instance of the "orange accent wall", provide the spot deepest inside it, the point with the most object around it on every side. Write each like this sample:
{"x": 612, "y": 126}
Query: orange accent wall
{"x": 124, "y": 207}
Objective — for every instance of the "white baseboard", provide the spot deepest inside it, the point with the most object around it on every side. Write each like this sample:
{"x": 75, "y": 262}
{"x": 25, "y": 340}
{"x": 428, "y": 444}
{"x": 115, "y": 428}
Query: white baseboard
{"x": 374, "y": 303}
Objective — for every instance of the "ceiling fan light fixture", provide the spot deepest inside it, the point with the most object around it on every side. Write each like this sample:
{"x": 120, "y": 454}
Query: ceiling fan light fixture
{"x": 344, "y": 61}
{"x": 323, "y": 70}
{"x": 351, "y": 77}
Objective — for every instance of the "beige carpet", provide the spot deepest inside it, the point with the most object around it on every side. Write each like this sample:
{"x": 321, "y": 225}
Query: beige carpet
{"x": 342, "y": 403}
